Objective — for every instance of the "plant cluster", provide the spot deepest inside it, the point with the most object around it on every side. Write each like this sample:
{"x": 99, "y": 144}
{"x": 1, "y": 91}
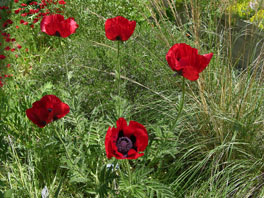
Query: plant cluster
{"x": 251, "y": 10}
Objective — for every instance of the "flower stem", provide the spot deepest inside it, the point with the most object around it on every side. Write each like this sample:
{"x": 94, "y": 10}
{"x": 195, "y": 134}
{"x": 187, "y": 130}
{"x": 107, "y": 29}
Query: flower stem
{"x": 126, "y": 170}
{"x": 66, "y": 150}
{"x": 119, "y": 78}
{"x": 68, "y": 154}
{"x": 65, "y": 62}
{"x": 182, "y": 101}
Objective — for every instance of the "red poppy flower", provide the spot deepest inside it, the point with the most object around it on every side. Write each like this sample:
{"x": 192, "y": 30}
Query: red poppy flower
{"x": 55, "y": 25}
{"x": 49, "y": 108}
{"x": 186, "y": 61}
{"x": 119, "y": 28}
{"x": 126, "y": 141}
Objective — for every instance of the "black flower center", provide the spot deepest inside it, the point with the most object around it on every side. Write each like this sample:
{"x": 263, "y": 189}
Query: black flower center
{"x": 179, "y": 72}
{"x": 57, "y": 34}
{"x": 55, "y": 118}
{"x": 118, "y": 38}
{"x": 124, "y": 144}
{"x": 49, "y": 110}
{"x": 43, "y": 123}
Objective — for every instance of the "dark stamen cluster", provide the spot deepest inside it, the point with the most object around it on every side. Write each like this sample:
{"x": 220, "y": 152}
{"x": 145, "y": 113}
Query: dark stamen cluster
{"x": 124, "y": 144}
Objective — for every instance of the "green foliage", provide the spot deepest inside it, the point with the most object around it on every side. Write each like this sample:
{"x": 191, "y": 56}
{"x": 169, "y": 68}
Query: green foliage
{"x": 258, "y": 19}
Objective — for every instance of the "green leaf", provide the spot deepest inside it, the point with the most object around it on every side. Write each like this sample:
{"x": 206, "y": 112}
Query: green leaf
{"x": 8, "y": 193}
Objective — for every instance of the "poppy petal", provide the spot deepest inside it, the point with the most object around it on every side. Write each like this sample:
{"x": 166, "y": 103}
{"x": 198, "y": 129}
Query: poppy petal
{"x": 204, "y": 60}
{"x": 141, "y": 135}
{"x": 34, "y": 118}
{"x": 132, "y": 154}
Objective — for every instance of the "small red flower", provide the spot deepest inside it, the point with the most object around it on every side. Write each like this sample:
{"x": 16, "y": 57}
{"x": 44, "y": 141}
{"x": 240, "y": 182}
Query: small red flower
{"x": 49, "y": 108}
{"x": 126, "y": 141}
{"x": 16, "y": 1}
{"x": 17, "y": 11}
{"x": 13, "y": 49}
{"x": 35, "y": 20}
{"x": 119, "y": 28}
{"x": 2, "y": 57}
{"x": 56, "y": 25}
{"x": 7, "y": 48}
{"x": 19, "y": 46}
{"x": 24, "y": 14}
{"x": 186, "y": 61}
{"x": 62, "y": 2}
{"x": 4, "y": 25}
{"x": 9, "y": 21}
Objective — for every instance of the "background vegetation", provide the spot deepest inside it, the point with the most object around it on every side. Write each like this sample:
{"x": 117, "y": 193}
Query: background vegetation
{"x": 216, "y": 147}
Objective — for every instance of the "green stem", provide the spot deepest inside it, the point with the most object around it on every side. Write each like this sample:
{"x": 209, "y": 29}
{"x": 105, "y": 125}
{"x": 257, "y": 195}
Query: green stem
{"x": 67, "y": 153}
{"x": 182, "y": 101}
{"x": 119, "y": 78}
{"x": 65, "y": 62}
{"x": 128, "y": 171}
{"x": 125, "y": 170}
